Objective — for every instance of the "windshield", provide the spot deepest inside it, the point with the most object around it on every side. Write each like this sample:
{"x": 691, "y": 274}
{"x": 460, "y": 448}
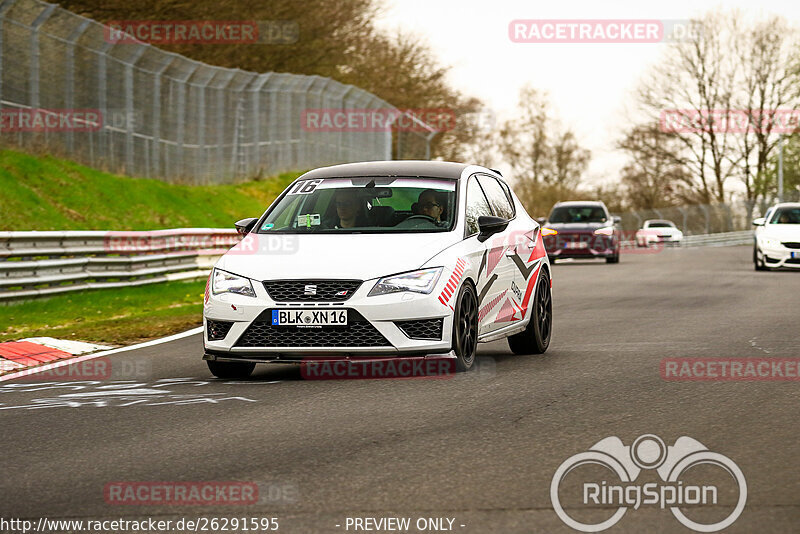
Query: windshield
{"x": 577, "y": 214}
{"x": 786, "y": 216}
{"x": 661, "y": 224}
{"x": 364, "y": 205}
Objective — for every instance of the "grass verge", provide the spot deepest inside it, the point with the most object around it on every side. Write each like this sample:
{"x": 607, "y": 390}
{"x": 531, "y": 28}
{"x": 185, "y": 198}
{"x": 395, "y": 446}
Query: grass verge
{"x": 115, "y": 316}
{"x": 47, "y": 193}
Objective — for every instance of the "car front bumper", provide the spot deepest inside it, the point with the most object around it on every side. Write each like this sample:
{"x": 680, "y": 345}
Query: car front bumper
{"x": 780, "y": 256}
{"x": 581, "y": 246}
{"x": 376, "y": 327}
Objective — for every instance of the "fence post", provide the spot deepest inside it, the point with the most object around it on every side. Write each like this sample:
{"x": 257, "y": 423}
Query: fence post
{"x": 256, "y": 97}
{"x": 221, "y": 91}
{"x": 129, "y": 65}
{"x": 5, "y": 5}
{"x": 102, "y": 98}
{"x": 156, "y": 157}
{"x": 340, "y": 153}
{"x": 180, "y": 137}
{"x": 685, "y": 217}
{"x": 70, "y": 69}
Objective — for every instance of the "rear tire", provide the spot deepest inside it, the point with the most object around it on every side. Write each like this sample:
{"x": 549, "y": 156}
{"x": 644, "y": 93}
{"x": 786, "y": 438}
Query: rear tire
{"x": 613, "y": 259}
{"x": 465, "y": 328}
{"x": 230, "y": 369}
{"x": 536, "y": 337}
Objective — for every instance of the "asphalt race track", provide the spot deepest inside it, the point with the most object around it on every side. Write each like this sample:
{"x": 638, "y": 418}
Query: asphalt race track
{"x": 480, "y": 448}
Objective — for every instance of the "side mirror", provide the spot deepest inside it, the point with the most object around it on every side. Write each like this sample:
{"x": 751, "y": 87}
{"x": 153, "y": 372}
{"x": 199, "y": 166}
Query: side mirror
{"x": 245, "y": 226}
{"x": 761, "y": 221}
{"x": 489, "y": 226}
{"x": 617, "y": 219}
{"x": 541, "y": 220}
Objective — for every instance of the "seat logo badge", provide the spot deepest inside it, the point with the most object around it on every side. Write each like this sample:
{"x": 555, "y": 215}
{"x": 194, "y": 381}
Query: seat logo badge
{"x": 310, "y": 290}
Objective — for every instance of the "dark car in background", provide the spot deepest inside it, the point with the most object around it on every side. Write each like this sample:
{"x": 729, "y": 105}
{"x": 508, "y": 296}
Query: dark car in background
{"x": 582, "y": 230}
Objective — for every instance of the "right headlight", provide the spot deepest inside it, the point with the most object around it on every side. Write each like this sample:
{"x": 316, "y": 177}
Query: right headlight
{"x": 768, "y": 241}
{"x": 422, "y": 281}
{"x": 225, "y": 282}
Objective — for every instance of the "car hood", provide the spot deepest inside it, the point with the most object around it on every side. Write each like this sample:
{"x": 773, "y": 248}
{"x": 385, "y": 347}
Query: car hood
{"x": 660, "y": 231}
{"x": 782, "y": 232}
{"x": 356, "y": 256}
{"x": 577, "y": 227}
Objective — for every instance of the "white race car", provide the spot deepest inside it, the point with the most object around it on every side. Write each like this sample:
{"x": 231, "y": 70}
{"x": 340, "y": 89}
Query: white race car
{"x": 777, "y": 237}
{"x": 377, "y": 259}
{"x": 658, "y": 231}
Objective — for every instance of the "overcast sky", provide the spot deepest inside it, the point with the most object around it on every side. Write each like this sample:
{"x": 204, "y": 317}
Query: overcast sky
{"x": 590, "y": 85}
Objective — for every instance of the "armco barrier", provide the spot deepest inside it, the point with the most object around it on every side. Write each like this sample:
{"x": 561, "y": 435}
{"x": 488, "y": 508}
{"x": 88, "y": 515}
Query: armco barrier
{"x": 34, "y": 264}
{"x": 744, "y": 237}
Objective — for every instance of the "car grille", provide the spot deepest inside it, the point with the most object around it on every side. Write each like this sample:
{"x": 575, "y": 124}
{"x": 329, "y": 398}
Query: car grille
{"x": 422, "y": 329}
{"x": 358, "y": 333}
{"x": 325, "y": 290}
{"x": 217, "y": 330}
{"x": 793, "y": 261}
{"x": 791, "y": 244}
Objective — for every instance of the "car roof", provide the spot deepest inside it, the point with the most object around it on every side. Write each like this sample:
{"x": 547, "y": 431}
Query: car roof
{"x": 435, "y": 169}
{"x": 580, "y": 203}
{"x": 787, "y": 205}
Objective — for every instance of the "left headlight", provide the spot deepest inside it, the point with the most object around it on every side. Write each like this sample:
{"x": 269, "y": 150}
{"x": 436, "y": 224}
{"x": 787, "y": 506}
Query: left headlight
{"x": 768, "y": 241}
{"x": 225, "y": 282}
{"x": 608, "y": 230}
{"x": 422, "y": 281}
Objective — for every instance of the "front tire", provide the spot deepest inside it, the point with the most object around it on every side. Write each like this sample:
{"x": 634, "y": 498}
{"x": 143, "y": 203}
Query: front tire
{"x": 536, "y": 337}
{"x": 465, "y": 328}
{"x": 758, "y": 264}
{"x": 230, "y": 370}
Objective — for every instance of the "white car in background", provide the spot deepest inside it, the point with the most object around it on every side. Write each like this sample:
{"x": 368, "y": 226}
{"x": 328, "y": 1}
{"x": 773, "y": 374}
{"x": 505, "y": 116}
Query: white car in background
{"x": 777, "y": 237}
{"x": 658, "y": 231}
{"x": 380, "y": 259}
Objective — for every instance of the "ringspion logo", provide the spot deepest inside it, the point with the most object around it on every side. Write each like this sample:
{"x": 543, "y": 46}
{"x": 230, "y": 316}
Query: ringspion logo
{"x": 621, "y": 490}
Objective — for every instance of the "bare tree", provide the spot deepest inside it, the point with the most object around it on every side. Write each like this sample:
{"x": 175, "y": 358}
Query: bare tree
{"x": 768, "y": 87}
{"x": 541, "y": 153}
{"x": 656, "y": 175}
{"x": 696, "y": 79}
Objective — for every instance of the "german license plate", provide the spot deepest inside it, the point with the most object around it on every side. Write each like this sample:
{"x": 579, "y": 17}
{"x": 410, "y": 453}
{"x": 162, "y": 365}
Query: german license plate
{"x": 795, "y": 255}
{"x": 577, "y": 244}
{"x": 309, "y": 317}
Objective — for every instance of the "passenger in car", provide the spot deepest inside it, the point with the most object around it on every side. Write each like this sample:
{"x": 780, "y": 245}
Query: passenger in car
{"x": 350, "y": 209}
{"x": 432, "y": 204}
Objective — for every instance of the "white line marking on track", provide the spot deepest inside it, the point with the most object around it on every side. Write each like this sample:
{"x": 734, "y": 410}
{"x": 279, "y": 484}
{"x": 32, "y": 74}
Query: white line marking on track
{"x": 70, "y": 361}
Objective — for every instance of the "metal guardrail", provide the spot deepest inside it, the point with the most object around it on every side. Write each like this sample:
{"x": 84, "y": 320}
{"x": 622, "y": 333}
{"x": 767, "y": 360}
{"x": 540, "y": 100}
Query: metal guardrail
{"x": 35, "y": 264}
{"x": 723, "y": 239}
